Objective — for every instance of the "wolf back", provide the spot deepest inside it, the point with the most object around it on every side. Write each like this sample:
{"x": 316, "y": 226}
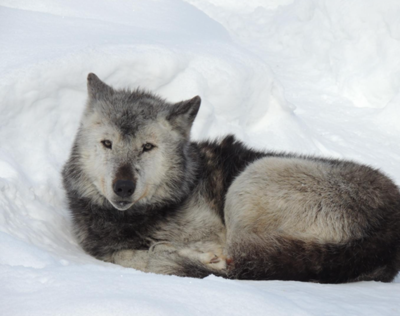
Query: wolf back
{"x": 143, "y": 195}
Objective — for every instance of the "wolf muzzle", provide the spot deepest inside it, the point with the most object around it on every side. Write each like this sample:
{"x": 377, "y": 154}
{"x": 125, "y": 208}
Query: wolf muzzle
{"x": 124, "y": 188}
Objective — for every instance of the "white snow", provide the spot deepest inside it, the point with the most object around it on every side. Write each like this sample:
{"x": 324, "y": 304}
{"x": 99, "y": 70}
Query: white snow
{"x": 310, "y": 76}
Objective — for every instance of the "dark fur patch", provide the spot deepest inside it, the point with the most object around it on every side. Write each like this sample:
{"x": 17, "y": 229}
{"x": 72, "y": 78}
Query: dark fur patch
{"x": 221, "y": 161}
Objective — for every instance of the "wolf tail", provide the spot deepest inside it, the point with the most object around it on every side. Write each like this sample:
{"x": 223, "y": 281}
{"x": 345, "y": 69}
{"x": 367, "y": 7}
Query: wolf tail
{"x": 283, "y": 258}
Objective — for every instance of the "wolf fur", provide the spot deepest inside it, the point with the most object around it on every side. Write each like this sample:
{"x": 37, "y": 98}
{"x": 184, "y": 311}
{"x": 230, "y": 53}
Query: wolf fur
{"x": 143, "y": 195}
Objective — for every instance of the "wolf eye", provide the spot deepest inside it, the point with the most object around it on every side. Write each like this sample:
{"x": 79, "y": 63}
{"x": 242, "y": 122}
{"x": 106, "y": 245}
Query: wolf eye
{"x": 106, "y": 143}
{"x": 148, "y": 147}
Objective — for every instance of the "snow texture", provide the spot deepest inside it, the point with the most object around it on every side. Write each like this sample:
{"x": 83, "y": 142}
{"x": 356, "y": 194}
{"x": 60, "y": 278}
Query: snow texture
{"x": 309, "y": 76}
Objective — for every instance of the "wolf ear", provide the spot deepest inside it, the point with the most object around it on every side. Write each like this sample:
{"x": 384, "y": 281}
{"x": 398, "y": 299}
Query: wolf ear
{"x": 182, "y": 114}
{"x": 97, "y": 89}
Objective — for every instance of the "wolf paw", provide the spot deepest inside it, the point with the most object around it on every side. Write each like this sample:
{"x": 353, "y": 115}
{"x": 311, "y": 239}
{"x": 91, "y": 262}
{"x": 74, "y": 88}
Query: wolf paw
{"x": 214, "y": 261}
{"x": 209, "y": 259}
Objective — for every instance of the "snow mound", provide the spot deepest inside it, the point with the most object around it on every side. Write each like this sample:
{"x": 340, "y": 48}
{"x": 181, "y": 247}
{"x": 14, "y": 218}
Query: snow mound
{"x": 352, "y": 45}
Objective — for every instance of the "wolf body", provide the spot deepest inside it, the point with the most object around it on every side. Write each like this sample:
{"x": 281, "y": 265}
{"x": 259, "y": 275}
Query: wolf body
{"x": 143, "y": 195}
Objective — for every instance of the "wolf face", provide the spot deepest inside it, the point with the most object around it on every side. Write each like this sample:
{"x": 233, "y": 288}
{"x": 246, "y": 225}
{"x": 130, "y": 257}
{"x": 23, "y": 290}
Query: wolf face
{"x": 133, "y": 144}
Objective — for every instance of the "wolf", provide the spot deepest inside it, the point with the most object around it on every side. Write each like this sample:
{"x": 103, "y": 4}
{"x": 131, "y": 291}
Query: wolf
{"x": 144, "y": 196}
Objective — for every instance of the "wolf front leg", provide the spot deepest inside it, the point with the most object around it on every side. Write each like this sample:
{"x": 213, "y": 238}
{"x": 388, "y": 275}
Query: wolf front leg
{"x": 183, "y": 260}
{"x": 171, "y": 260}
{"x": 128, "y": 258}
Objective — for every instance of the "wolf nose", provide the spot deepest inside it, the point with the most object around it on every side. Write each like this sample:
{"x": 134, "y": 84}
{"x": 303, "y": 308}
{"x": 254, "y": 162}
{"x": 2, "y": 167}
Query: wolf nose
{"x": 124, "y": 188}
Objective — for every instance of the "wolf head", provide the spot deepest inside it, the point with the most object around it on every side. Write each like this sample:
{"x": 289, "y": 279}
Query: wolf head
{"x": 132, "y": 147}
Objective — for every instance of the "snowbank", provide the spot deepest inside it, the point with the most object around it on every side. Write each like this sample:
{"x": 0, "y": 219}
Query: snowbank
{"x": 316, "y": 77}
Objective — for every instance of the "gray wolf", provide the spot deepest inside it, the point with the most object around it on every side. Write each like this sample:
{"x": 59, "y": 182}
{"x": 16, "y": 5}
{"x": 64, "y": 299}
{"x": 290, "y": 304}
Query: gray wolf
{"x": 143, "y": 195}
